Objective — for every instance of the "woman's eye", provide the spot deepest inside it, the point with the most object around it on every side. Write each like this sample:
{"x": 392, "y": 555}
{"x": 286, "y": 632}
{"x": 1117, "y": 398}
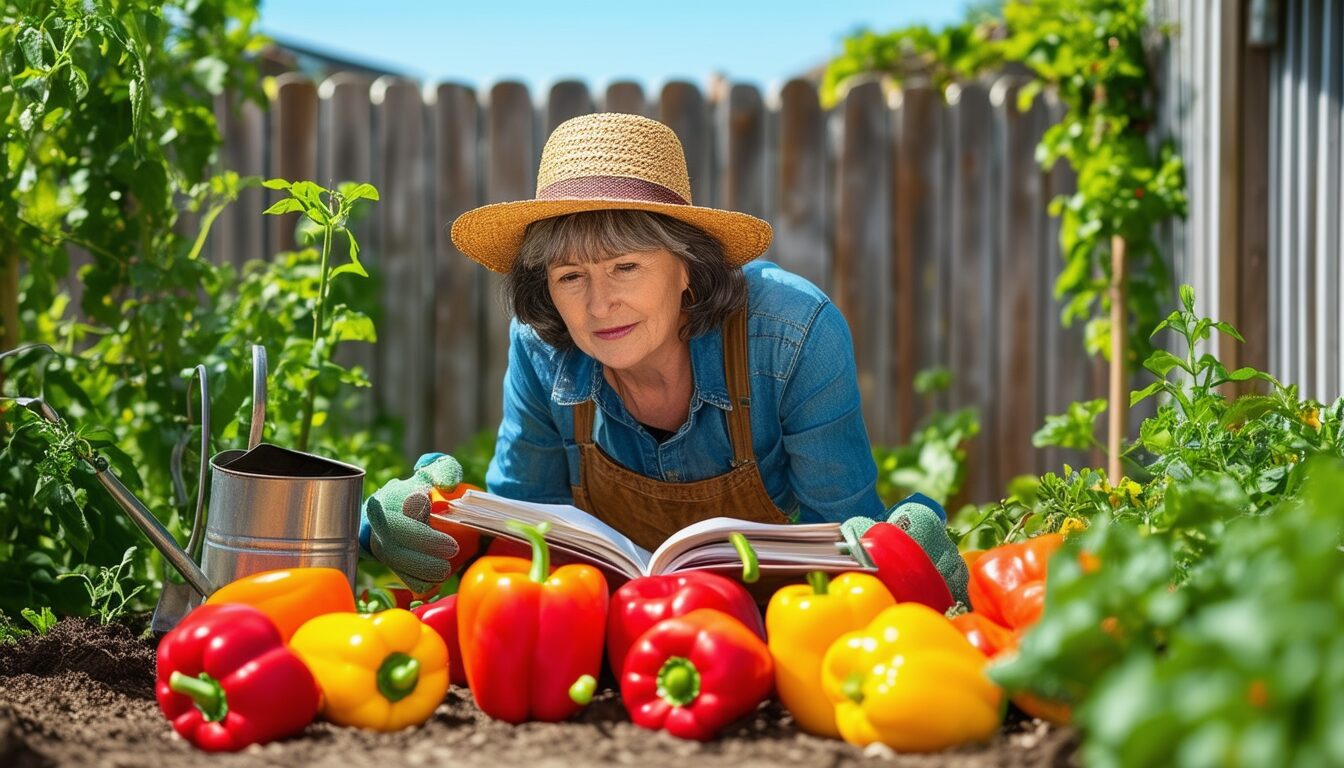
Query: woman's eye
{"x": 627, "y": 267}
{"x": 568, "y": 277}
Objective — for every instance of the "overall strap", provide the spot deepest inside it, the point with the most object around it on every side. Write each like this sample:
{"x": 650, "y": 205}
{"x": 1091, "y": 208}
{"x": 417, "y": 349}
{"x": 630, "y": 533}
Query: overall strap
{"x": 583, "y": 422}
{"x": 735, "y": 370}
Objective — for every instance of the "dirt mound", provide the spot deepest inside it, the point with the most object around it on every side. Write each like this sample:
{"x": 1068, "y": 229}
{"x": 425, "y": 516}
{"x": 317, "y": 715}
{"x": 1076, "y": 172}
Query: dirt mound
{"x": 112, "y": 655}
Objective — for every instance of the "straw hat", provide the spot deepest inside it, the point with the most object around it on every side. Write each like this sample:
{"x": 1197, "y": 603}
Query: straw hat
{"x": 606, "y": 161}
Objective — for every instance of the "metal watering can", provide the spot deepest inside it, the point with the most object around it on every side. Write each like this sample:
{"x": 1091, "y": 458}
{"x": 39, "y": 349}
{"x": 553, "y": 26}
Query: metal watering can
{"x": 270, "y": 507}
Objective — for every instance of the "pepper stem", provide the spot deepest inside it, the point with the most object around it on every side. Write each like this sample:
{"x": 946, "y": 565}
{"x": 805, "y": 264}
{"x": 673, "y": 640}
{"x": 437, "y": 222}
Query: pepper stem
{"x": 821, "y": 583}
{"x": 541, "y": 554}
{"x": 852, "y": 688}
{"x": 678, "y": 681}
{"x": 375, "y": 599}
{"x": 398, "y": 675}
{"x": 581, "y": 692}
{"x": 205, "y": 692}
{"x": 751, "y": 567}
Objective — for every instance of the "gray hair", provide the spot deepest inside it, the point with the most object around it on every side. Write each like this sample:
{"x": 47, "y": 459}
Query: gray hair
{"x": 715, "y": 291}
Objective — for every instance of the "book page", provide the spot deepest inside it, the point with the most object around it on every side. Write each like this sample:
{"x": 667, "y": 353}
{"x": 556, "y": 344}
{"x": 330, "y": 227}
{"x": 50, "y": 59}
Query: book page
{"x": 791, "y": 547}
{"x": 572, "y": 529}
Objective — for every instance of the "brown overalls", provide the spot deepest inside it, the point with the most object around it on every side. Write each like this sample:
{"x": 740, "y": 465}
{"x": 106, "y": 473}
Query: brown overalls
{"x": 649, "y": 510}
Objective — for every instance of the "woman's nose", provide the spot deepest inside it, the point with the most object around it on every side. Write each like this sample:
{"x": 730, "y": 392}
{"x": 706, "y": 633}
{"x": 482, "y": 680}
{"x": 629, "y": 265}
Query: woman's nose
{"x": 602, "y": 296}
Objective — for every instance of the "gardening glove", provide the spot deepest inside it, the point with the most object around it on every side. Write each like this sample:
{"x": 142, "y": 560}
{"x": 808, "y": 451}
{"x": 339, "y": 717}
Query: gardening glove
{"x": 395, "y": 528}
{"x": 925, "y": 521}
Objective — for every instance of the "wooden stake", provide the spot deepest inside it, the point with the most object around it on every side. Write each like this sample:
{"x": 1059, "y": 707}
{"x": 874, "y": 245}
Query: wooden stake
{"x": 1119, "y": 395}
{"x": 9, "y": 298}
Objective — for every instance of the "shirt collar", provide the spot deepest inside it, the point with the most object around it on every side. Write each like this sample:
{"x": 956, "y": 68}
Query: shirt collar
{"x": 580, "y": 377}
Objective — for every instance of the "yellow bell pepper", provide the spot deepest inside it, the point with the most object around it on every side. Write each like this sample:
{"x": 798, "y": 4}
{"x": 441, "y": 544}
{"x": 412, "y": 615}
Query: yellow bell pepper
{"x": 802, "y": 621}
{"x": 290, "y": 596}
{"x": 911, "y": 681}
{"x": 383, "y": 671}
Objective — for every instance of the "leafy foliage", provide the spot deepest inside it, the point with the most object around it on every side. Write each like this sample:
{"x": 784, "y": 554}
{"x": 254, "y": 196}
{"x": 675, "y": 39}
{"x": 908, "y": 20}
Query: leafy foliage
{"x": 1195, "y": 621}
{"x": 1091, "y": 55}
{"x": 934, "y": 461}
{"x": 107, "y": 595}
{"x": 109, "y": 137}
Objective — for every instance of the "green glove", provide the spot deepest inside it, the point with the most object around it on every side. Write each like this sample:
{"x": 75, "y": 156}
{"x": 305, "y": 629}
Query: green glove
{"x": 914, "y": 516}
{"x": 919, "y": 516}
{"x": 396, "y": 521}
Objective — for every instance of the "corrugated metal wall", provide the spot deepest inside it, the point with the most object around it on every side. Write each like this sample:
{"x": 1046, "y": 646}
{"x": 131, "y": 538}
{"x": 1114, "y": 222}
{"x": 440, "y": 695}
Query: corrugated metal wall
{"x": 1305, "y": 205}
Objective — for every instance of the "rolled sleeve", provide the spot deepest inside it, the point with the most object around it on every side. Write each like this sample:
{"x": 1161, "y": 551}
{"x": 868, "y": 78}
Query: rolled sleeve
{"x": 529, "y": 461}
{"x": 831, "y": 467}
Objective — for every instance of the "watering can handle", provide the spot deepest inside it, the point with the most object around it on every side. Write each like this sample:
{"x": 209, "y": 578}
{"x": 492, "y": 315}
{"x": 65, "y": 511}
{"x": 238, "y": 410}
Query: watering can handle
{"x": 198, "y": 526}
{"x": 258, "y": 396}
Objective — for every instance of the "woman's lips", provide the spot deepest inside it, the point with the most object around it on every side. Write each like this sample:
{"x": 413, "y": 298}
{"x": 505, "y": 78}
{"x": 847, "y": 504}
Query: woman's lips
{"x": 611, "y": 334}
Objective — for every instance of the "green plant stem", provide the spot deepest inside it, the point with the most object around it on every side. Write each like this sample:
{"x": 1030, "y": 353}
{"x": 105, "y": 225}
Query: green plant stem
{"x": 306, "y": 423}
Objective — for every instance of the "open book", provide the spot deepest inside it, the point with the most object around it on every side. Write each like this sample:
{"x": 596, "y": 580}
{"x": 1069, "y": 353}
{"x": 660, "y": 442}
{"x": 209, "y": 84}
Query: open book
{"x": 780, "y": 549}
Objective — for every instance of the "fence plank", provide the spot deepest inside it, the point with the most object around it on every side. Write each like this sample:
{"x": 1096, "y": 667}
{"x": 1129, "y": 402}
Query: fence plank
{"x": 346, "y": 154}
{"x": 457, "y": 280}
{"x": 862, "y": 237}
{"x": 918, "y": 238}
{"x": 973, "y": 274}
{"x": 236, "y": 236}
{"x": 568, "y": 98}
{"x": 740, "y": 129}
{"x": 1066, "y": 371}
{"x": 405, "y": 348}
{"x": 293, "y": 147}
{"x": 625, "y": 96}
{"x": 682, "y": 108}
{"x": 1017, "y": 323}
{"x": 802, "y": 239}
{"x": 510, "y": 175}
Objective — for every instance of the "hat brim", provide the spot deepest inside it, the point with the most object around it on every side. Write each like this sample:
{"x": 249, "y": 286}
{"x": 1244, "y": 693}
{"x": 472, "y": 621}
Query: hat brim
{"x": 492, "y": 234}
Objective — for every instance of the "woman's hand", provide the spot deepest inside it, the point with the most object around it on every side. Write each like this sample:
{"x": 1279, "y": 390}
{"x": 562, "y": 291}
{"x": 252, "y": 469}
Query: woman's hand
{"x": 400, "y": 536}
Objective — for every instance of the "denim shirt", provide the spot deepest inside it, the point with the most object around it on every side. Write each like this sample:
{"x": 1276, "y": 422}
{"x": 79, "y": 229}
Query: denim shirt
{"x": 807, "y": 429}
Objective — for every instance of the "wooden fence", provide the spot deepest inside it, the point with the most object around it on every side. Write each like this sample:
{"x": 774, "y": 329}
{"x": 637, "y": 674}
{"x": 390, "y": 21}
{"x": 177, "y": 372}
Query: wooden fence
{"x": 923, "y": 218}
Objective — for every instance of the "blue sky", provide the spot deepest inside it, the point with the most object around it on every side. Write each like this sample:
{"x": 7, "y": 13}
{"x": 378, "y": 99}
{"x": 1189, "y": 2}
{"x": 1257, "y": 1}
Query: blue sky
{"x": 480, "y": 43}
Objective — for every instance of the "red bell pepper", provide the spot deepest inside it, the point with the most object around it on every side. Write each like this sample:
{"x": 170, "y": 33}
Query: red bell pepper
{"x": 693, "y": 674}
{"x": 640, "y": 603}
{"x": 441, "y": 616}
{"x": 226, "y": 680}
{"x": 905, "y": 569}
{"x": 1008, "y": 582}
{"x": 531, "y": 637}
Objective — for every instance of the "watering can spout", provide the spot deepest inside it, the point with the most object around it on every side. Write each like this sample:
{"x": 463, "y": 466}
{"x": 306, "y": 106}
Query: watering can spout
{"x": 143, "y": 518}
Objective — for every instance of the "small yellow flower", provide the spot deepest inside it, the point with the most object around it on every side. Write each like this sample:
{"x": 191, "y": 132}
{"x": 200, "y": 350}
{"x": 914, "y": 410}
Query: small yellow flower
{"x": 1072, "y": 524}
{"x": 1312, "y": 418}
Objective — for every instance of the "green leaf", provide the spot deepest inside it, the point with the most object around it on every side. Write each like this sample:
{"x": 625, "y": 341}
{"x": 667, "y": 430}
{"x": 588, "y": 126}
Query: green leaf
{"x": 287, "y": 205}
{"x": 353, "y": 267}
{"x": 276, "y": 183}
{"x": 349, "y": 326}
{"x": 360, "y": 192}
{"x": 1188, "y": 297}
{"x": 1143, "y": 394}
{"x": 1161, "y": 362}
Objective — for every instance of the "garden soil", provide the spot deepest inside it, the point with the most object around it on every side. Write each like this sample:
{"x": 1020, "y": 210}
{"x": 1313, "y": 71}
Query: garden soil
{"x": 83, "y": 695}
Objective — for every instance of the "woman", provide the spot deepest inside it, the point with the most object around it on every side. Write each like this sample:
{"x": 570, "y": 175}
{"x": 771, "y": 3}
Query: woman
{"x": 657, "y": 375}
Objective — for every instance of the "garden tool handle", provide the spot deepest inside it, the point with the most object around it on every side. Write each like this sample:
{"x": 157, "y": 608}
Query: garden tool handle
{"x": 198, "y": 524}
{"x": 258, "y": 396}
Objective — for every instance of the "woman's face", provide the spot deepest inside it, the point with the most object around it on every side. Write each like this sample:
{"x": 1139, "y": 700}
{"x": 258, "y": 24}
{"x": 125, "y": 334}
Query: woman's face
{"x": 624, "y": 312}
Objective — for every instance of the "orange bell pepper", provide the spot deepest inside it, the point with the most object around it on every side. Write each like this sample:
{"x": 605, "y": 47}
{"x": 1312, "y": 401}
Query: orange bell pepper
{"x": 802, "y": 620}
{"x": 912, "y": 682}
{"x": 468, "y": 539}
{"x": 290, "y": 596}
{"x": 1008, "y": 594}
{"x": 531, "y": 637}
{"x": 1008, "y": 581}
